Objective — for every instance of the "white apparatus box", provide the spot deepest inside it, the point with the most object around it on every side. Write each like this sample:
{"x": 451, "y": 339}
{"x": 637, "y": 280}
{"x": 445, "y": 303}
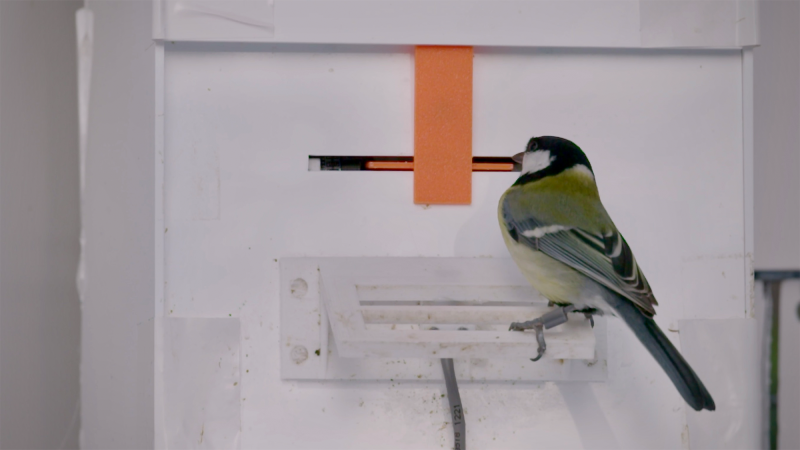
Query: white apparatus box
{"x": 658, "y": 94}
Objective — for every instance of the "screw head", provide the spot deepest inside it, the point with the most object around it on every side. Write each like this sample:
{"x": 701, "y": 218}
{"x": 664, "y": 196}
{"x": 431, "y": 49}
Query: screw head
{"x": 299, "y": 354}
{"x": 298, "y": 288}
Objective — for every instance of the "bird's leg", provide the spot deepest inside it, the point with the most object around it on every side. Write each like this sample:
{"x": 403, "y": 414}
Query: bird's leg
{"x": 589, "y": 316}
{"x": 536, "y": 324}
{"x": 549, "y": 320}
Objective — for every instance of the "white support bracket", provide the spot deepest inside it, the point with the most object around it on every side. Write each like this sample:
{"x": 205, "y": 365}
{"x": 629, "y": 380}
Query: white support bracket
{"x": 393, "y": 318}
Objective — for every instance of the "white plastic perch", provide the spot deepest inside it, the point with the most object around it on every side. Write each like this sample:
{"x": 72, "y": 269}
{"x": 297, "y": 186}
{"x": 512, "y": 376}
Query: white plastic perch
{"x": 422, "y": 308}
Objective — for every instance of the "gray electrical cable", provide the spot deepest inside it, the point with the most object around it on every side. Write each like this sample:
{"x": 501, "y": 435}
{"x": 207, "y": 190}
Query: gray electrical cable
{"x": 459, "y": 427}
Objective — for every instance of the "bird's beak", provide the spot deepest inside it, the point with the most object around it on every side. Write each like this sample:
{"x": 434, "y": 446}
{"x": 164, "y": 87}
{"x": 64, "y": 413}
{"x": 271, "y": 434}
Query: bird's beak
{"x": 518, "y": 157}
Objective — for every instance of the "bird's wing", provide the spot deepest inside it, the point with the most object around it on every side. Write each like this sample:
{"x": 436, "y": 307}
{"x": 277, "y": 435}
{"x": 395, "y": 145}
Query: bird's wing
{"x": 605, "y": 258}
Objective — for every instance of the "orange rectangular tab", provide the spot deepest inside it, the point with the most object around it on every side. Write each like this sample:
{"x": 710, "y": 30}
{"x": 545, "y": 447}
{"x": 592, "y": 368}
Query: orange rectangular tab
{"x": 443, "y": 125}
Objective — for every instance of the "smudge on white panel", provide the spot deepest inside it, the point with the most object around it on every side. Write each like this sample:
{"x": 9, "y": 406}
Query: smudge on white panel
{"x": 202, "y": 383}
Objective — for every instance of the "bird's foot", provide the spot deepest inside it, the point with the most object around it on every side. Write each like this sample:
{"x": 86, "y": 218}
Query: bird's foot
{"x": 549, "y": 320}
{"x": 537, "y": 325}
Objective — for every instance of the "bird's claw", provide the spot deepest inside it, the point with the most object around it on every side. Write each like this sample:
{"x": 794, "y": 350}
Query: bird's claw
{"x": 549, "y": 320}
{"x": 540, "y": 339}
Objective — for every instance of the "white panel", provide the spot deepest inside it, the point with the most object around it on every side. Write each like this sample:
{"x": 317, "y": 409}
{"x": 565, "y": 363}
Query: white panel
{"x": 200, "y": 196}
{"x": 514, "y": 23}
{"x": 724, "y": 354}
{"x": 549, "y": 23}
{"x": 664, "y": 134}
{"x": 217, "y": 20}
{"x": 697, "y": 23}
{"x": 201, "y": 383}
{"x": 712, "y": 287}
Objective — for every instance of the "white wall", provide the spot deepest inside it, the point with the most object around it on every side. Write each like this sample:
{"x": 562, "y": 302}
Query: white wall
{"x": 39, "y": 310}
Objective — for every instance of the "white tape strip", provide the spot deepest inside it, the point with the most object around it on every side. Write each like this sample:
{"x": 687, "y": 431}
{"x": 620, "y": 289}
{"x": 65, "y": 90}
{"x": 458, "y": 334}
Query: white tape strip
{"x": 84, "y": 26}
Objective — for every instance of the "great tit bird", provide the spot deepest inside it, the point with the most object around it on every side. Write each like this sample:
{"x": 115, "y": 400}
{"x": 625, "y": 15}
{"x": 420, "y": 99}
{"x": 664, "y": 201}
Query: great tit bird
{"x": 566, "y": 245}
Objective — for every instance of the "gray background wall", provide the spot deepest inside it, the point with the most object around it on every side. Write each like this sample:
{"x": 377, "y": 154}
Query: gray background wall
{"x": 777, "y": 188}
{"x": 39, "y": 309}
{"x": 777, "y": 136}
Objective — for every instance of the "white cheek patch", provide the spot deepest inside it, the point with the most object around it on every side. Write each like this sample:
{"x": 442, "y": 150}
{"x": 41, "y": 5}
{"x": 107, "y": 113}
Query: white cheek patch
{"x": 541, "y": 231}
{"x": 533, "y": 162}
{"x": 580, "y": 168}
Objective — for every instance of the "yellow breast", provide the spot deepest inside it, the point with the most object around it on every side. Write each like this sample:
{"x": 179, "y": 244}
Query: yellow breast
{"x": 553, "y": 279}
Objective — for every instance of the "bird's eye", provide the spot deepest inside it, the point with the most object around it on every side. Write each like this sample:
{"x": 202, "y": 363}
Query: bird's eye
{"x": 534, "y": 146}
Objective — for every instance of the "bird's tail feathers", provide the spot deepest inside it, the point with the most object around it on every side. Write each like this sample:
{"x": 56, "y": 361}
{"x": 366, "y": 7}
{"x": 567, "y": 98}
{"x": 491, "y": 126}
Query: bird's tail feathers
{"x": 656, "y": 342}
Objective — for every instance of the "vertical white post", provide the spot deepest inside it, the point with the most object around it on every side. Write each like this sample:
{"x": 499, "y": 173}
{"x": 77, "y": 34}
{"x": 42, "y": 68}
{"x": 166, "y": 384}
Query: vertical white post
{"x": 747, "y": 144}
{"x": 160, "y": 235}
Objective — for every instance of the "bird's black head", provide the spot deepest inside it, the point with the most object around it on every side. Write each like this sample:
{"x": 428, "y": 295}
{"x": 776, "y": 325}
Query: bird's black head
{"x": 549, "y": 155}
